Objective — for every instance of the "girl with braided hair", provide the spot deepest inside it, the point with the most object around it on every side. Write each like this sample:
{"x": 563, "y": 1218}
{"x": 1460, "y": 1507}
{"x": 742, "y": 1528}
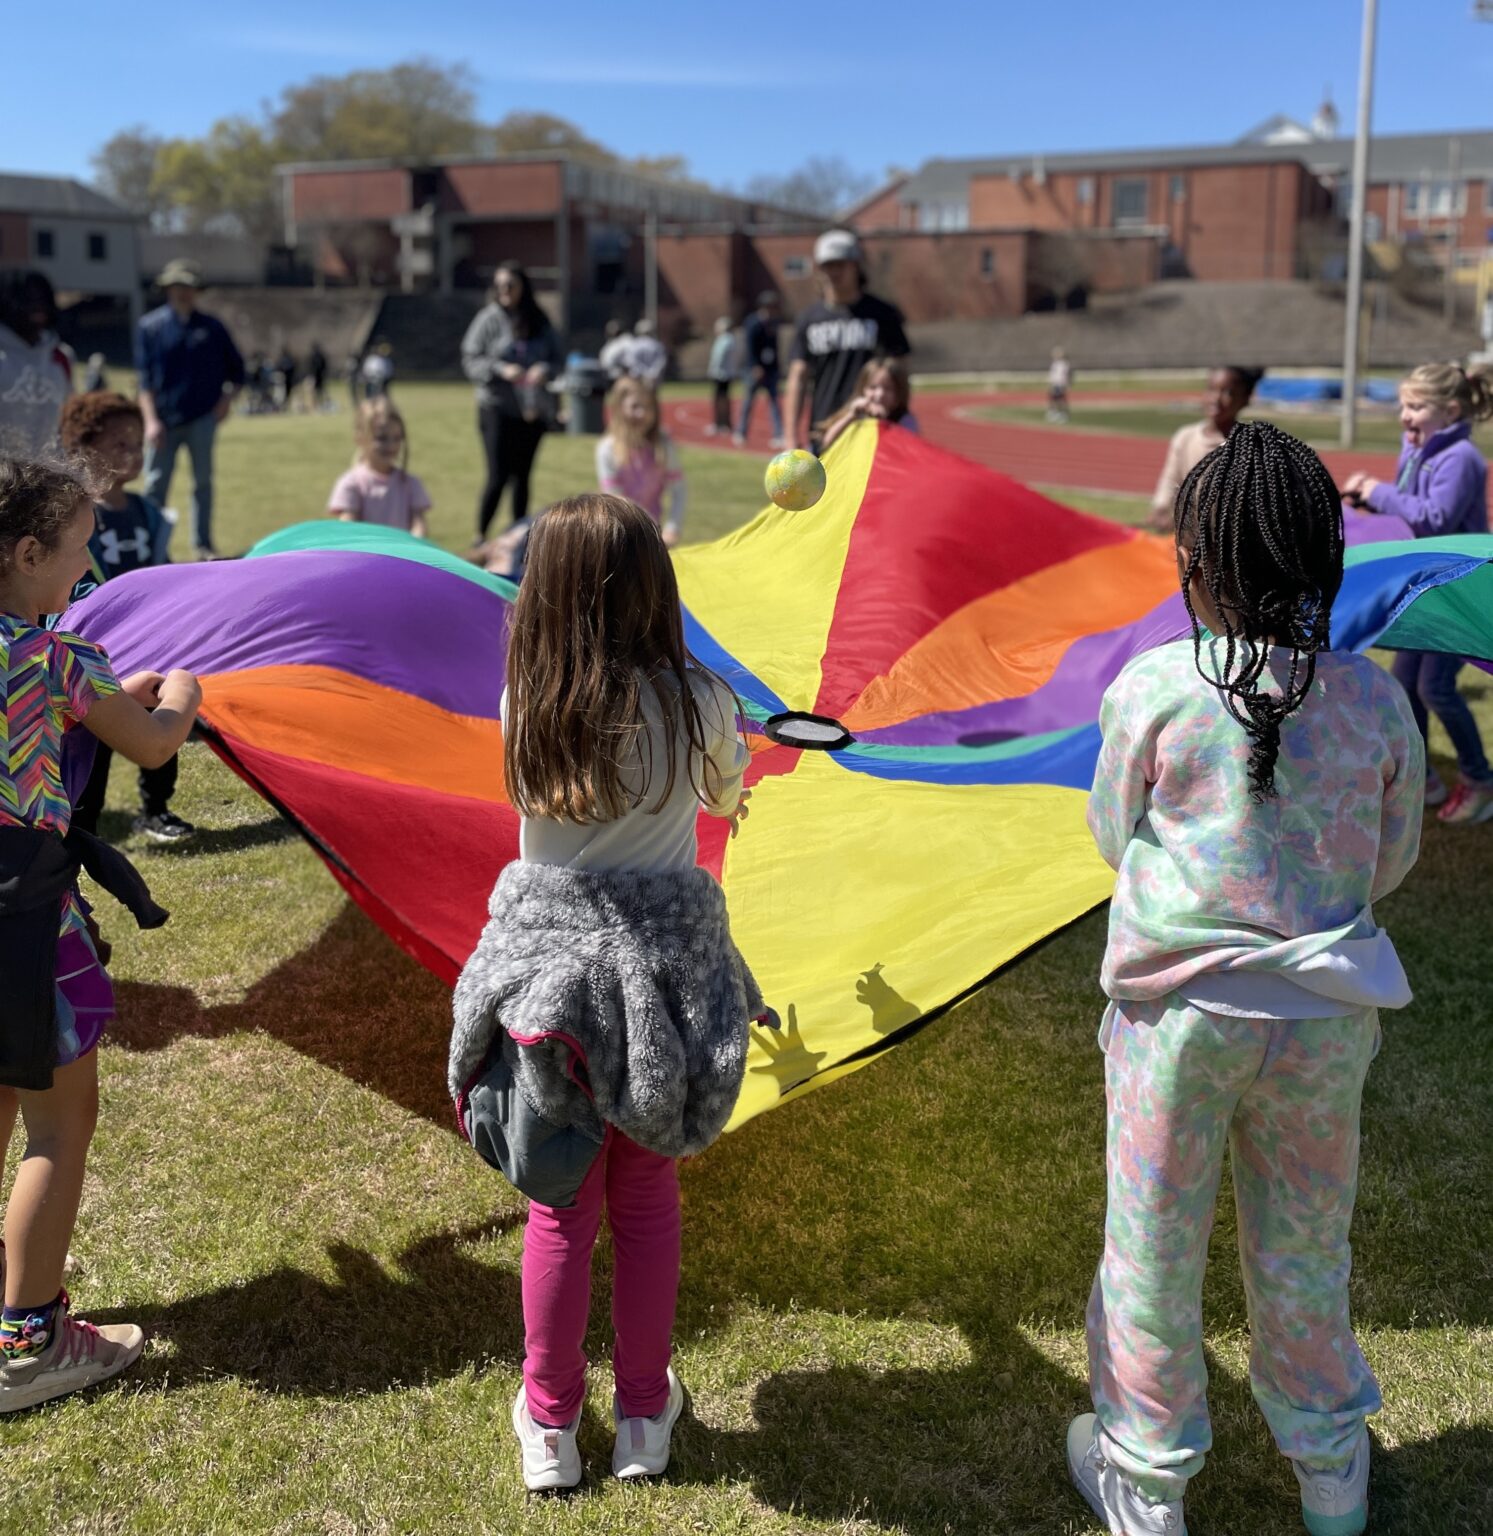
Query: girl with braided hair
{"x": 1256, "y": 793}
{"x": 1441, "y": 487}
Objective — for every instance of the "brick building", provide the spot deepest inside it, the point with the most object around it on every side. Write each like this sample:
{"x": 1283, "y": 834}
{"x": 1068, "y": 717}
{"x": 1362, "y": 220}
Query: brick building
{"x": 582, "y": 230}
{"x": 1271, "y": 207}
{"x": 957, "y": 239}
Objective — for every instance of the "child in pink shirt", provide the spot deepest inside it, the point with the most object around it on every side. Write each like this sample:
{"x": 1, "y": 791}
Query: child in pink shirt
{"x": 636, "y": 458}
{"x": 378, "y": 488}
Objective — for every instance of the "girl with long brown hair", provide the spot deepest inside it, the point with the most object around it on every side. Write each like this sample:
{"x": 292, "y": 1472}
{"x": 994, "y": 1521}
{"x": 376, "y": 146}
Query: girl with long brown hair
{"x": 606, "y": 984}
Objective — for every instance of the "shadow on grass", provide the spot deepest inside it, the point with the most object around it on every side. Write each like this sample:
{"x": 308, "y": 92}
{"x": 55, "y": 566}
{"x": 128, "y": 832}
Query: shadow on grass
{"x": 119, "y": 827}
{"x": 367, "y": 1330}
{"x": 350, "y": 1001}
{"x": 957, "y": 1186}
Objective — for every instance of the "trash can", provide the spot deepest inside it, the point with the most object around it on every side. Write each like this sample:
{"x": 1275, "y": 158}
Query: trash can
{"x": 585, "y": 384}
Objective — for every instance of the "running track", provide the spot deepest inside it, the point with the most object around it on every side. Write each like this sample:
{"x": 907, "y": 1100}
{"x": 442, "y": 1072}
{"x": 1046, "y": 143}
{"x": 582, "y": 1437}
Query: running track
{"x": 1054, "y": 456}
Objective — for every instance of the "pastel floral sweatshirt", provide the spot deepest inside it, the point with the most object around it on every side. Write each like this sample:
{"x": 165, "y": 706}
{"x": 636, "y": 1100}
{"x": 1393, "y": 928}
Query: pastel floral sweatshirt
{"x": 1207, "y": 878}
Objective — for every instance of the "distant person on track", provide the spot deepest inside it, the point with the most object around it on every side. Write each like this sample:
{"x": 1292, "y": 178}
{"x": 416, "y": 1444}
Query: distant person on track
{"x": 1229, "y": 391}
{"x": 1059, "y": 383}
{"x": 762, "y": 365}
{"x": 836, "y": 336}
{"x": 722, "y": 370}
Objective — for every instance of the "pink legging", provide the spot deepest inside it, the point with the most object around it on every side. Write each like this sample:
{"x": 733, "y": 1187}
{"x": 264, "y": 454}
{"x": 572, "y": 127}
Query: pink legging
{"x": 642, "y": 1200}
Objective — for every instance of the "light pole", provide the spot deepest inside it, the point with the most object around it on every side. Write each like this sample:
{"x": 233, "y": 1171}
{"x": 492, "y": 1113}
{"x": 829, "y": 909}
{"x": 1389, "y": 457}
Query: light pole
{"x": 1356, "y": 222}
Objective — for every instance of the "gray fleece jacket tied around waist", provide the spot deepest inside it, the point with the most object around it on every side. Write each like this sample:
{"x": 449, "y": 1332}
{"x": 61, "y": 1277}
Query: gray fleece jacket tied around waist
{"x": 616, "y": 997}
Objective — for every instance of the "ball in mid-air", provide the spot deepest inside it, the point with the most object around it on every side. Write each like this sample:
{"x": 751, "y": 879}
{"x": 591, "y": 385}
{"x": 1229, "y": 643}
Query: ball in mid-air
{"x": 795, "y": 480}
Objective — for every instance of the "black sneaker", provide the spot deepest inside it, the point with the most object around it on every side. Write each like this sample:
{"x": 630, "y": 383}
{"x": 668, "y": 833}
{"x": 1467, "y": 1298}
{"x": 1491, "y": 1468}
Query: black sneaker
{"x": 165, "y": 827}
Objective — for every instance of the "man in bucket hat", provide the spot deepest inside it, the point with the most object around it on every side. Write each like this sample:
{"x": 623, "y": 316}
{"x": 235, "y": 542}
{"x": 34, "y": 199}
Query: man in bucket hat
{"x": 189, "y": 371}
{"x": 836, "y": 336}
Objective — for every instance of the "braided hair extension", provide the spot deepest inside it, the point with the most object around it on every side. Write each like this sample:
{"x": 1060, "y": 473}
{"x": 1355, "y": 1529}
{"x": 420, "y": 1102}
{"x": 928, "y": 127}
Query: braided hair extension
{"x": 1260, "y": 525}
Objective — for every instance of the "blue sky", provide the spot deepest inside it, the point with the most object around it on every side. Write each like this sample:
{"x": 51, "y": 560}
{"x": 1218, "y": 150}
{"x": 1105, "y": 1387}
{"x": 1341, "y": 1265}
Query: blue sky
{"x": 758, "y": 87}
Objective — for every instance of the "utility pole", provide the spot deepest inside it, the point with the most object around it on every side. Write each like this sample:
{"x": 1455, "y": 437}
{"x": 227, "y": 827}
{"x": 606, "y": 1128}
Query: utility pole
{"x": 1356, "y": 222}
{"x": 650, "y": 266}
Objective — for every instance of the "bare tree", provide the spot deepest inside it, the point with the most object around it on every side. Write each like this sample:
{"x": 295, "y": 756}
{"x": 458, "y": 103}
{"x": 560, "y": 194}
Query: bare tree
{"x": 822, "y": 185}
{"x": 125, "y": 169}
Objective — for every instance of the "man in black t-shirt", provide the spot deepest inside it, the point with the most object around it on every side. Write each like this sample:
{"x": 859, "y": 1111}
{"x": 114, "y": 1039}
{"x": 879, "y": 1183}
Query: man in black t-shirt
{"x": 836, "y": 336}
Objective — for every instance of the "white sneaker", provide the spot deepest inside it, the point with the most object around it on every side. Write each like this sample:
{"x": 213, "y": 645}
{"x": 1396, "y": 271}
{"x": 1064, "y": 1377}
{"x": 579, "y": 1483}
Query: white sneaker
{"x": 737, "y": 440}
{"x": 1436, "y": 791}
{"x": 642, "y": 1448}
{"x": 1336, "y": 1504}
{"x": 1110, "y": 1493}
{"x": 551, "y": 1457}
{"x": 77, "y": 1355}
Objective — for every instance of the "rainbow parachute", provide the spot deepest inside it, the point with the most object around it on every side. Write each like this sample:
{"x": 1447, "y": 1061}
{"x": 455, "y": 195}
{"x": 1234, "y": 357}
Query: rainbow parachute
{"x": 959, "y": 628}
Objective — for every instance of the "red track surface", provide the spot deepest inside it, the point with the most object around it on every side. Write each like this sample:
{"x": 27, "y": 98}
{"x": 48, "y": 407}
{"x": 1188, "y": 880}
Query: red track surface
{"x": 1057, "y": 456}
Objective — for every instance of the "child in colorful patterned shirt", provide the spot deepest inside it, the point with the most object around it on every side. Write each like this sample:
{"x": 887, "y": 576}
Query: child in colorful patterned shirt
{"x": 636, "y": 459}
{"x": 1256, "y": 792}
{"x": 51, "y": 682}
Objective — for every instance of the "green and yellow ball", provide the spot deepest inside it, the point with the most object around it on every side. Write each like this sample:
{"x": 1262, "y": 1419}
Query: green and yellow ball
{"x": 795, "y": 480}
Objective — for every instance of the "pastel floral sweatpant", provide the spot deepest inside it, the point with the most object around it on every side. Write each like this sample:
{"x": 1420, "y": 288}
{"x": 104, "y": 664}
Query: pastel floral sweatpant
{"x": 1284, "y": 1095}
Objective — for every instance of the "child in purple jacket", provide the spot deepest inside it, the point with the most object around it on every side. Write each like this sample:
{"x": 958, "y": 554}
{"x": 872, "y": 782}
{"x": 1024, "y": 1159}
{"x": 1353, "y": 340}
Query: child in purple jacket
{"x": 1441, "y": 487}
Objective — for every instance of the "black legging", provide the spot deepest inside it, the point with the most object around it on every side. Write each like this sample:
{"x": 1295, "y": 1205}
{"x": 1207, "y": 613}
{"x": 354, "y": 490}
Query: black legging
{"x": 157, "y": 785}
{"x": 510, "y": 444}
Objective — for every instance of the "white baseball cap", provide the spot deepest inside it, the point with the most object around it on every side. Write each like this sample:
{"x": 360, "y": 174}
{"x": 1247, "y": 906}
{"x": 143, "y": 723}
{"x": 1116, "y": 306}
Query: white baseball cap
{"x": 836, "y": 245}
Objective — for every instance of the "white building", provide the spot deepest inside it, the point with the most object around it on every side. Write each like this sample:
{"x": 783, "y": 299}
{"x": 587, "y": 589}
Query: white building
{"x": 87, "y": 244}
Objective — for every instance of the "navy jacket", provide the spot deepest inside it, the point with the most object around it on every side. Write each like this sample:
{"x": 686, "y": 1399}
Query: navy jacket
{"x": 185, "y": 364}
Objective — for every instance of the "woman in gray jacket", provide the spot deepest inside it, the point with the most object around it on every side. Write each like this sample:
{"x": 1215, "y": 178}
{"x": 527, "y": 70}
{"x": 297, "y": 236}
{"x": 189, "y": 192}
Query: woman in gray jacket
{"x": 510, "y": 351}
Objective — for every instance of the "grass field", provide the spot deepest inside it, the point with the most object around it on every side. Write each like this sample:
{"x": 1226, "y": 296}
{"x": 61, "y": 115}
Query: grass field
{"x": 881, "y": 1315}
